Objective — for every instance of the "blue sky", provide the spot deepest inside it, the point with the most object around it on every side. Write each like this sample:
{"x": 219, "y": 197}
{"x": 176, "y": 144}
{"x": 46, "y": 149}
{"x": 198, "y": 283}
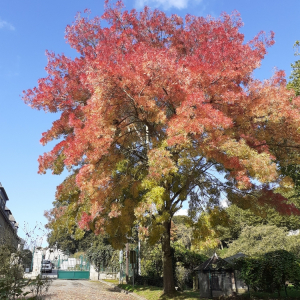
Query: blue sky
{"x": 29, "y": 27}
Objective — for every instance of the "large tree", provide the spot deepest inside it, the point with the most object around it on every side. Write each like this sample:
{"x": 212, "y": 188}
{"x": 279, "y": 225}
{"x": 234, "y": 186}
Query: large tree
{"x": 152, "y": 109}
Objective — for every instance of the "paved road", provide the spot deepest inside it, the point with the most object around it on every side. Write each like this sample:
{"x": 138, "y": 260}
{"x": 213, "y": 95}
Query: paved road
{"x": 84, "y": 290}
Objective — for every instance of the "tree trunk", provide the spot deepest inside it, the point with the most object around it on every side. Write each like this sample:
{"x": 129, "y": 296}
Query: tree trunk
{"x": 168, "y": 275}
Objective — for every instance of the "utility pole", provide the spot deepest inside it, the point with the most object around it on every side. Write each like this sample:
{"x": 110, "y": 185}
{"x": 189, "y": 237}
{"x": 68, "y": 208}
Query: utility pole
{"x": 121, "y": 266}
{"x": 127, "y": 263}
{"x": 139, "y": 258}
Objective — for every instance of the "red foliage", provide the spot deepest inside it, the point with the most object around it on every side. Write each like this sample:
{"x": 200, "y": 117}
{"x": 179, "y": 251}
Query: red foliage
{"x": 279, "y": 202}
{"x": 186, "y": 84}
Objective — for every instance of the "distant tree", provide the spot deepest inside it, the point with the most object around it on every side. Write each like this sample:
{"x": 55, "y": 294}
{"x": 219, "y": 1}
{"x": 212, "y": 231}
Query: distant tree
{"x": 102, "y": 255}
{"x": 189, "y": 259}
{"x": 26, "y": 255}
{"x": 294, "y": 82}
{"x": 230, "y": 226}
{"x": 290, "y": 169}
{"x": 258, "y": 240}
{"x": 181, "y": 231}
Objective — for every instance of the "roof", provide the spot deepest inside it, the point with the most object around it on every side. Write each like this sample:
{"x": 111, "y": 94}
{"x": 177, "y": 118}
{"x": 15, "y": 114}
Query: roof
{"x": 7, "y": 209}
{"x": 11, "y": 218}
{"x": 3, "y": 192}
{"x": 213, "y": 262}
{"x": 233, "y": 257}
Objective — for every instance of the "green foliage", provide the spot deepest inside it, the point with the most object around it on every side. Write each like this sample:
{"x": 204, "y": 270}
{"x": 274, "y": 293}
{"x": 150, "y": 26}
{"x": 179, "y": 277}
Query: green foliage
{"x": 189, "y": 259}
{"x": 181, "y": 219}
{"x": 181, "y": 275}
{"x": 12, "y": 283}
{"x": 206, "y": 234}
{"x": 151, "y": 260}
{"x": 39, "y": 286}
{"x": 238, "y": 218}
{"x": 295, "y": 76}
{"x": 258, "y": 240}
{"x": 184, "y": 261}
{"x": 26, "y": 258}
{"x": 181, "y": 231}
{"x": 102, "y": 254}
{"x": 270, "y": 271}
{"x": 68, "y": 242}
{"x": 293, "y": 171}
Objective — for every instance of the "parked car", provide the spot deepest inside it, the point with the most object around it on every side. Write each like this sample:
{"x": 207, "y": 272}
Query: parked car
{"x": 46, "y": 266}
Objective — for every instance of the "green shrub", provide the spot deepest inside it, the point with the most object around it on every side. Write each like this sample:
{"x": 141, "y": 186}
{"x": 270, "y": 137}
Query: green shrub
{"x": 12, "y": 283}
{"x": 270, "y": 272}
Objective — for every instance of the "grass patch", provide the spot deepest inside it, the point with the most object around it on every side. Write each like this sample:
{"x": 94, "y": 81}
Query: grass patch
{"x": 114, "y": 281}
{"x": 155, "y": 293}
{"x": 292, "y": 294}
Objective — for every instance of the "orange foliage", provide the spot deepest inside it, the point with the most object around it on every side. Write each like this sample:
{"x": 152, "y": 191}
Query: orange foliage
{"x": 157, "y": 100}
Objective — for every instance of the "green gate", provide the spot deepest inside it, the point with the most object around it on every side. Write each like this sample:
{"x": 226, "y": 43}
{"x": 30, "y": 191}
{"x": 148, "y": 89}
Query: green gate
{"x": 61, "y": 274}
{"x": 73, "y": 268}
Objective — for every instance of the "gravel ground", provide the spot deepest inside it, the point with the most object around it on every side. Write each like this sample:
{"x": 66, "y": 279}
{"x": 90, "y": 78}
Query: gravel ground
{"x": 84, "y": 290}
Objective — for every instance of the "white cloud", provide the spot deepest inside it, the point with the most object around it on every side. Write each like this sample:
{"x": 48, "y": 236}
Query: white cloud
{"x": 4, "y": 24}
{"x": 181, "y": 212}
{"x": 166, "y": 4}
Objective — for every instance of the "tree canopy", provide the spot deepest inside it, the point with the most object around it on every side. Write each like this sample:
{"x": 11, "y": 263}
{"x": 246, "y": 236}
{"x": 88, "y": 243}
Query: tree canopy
{"x": 225, "y": 225}
{"x": 258, "y": 240}
{"x": 152, "y": 109}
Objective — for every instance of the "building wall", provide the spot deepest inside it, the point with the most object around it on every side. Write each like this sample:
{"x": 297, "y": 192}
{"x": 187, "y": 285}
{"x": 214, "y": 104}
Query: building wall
{"x": 204, "y": 287}
{"x": 225, "y": 281}
{"x": 8, "y": 232}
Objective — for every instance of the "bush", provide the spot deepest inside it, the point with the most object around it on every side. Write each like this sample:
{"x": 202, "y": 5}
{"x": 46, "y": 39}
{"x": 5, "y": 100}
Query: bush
{"x": 270, "y": 272}
{"x": 186, "y": 261}
{"x": 182, "y": 276}
{"x": 12, "y": 283}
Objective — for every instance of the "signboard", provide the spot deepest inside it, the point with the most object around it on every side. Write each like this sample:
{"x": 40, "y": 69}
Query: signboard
{"x": 132, "y": 257}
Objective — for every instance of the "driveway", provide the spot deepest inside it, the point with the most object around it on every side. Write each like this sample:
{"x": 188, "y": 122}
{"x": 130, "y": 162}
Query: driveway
{"x": 84, "y": 290}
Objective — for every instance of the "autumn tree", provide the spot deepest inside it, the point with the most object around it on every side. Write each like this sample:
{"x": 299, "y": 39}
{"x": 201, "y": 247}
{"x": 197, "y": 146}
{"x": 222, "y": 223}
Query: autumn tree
{"x": 152, "y": 109}
{"x": 292, "y": 170}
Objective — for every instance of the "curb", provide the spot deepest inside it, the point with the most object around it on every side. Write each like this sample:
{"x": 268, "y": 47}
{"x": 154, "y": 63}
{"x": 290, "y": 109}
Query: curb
{"x": 121, "y": 290}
